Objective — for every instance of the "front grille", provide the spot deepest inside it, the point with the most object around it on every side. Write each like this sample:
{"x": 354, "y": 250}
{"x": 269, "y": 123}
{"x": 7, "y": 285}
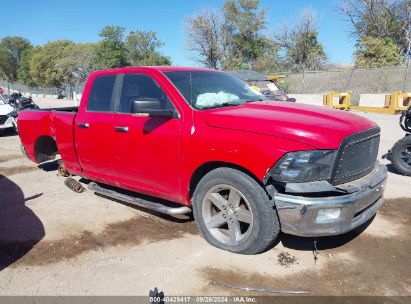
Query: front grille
{"x": 357, "y": 156}
{"x": 3, "y": 119}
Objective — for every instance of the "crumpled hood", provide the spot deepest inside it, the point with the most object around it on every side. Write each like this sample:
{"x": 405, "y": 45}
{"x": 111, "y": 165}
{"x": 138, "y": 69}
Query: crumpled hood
{"x": 5, "y": 109}
{"x": 317, "y": 126}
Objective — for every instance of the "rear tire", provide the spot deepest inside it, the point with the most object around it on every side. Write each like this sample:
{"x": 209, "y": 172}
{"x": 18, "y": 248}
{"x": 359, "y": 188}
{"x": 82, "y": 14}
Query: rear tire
{"x": 401, "y": 155}
{"x": 234, "y": 213}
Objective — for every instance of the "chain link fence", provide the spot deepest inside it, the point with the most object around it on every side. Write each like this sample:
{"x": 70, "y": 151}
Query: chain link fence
{"x": 359, "y": 81}
{"x": 9, "y": 88}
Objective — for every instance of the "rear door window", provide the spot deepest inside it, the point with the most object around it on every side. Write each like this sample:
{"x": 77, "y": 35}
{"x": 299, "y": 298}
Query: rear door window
{"x": 102, "y": 95}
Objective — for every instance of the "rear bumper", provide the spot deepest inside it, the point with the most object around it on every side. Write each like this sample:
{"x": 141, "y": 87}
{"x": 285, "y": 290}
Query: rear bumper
{"x": 298, "y": 214}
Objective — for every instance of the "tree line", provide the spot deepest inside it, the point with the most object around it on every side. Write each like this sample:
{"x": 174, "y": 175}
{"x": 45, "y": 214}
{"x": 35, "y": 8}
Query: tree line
{"x": 235, "y": 36}
{"x": 63, "y": 62}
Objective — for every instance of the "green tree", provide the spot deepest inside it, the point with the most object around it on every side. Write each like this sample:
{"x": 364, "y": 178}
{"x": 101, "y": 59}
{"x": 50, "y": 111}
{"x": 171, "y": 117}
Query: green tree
{"x": 142, "y": 48}
{"x": 44, "y": 64}
{"x": 24, "y": 69}
{"x": 111, "y": 51}
{"x": 77, "y": 62}
{"x": 380, "y": 19}
{"x": 204, "y": 38}
{"x": 12, "y": 48}
{"x": 372, "y": 52}
{"x": 244, "y": 21}
{"x": 300, "y": 44}
{"x": 6, "y": 65}
{"x": 268, "y": 60}
{"x": 231, "y": 38}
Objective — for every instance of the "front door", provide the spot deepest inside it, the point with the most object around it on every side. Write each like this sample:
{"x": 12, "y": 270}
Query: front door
{"x": 146, "y": 146}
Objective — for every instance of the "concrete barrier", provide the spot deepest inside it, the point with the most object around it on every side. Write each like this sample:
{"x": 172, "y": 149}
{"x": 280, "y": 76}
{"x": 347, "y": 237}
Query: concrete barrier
{"x": 311, "y": 99}
{"x": 374, "y": 100}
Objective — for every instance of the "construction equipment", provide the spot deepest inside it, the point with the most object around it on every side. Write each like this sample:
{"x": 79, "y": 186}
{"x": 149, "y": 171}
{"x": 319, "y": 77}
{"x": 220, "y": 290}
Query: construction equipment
{"x": 343, "y": 100}
{"x": 395, "y": 103}
{"x": 269, "y": 86}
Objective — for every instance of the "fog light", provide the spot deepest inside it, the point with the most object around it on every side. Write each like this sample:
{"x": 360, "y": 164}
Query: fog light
{"x": 326, "y": 215}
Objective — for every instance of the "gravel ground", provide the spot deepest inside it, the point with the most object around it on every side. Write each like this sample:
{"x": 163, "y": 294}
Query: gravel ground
{"x": 56, "y": 242}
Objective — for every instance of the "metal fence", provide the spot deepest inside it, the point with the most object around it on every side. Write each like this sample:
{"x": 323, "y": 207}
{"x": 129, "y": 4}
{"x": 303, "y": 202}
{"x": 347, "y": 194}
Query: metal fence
{"x": 359, "y": 81}
{"x": 45, "y": 91}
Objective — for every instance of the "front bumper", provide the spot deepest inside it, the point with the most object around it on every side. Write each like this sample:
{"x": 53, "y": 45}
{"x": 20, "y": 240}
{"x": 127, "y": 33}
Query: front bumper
{"x": 298, "y": 214}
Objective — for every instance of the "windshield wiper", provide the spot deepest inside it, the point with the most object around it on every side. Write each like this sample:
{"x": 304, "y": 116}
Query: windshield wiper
{"x": 260, "y": 99}
{"x": 221, "y": 105}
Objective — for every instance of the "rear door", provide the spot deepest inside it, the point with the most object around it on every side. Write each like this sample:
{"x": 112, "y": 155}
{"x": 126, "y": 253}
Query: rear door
{"x": 146, "y": 146}
{"x": 94, "y": 129}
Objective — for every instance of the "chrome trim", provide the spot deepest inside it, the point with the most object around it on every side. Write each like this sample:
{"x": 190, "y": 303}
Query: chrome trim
{"x": 139, "y": 202}
{"x": 298, "y": 213}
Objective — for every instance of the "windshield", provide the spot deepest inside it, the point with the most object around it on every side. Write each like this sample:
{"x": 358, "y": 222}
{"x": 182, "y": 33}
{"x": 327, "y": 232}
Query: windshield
{"x": 207, "y": 89}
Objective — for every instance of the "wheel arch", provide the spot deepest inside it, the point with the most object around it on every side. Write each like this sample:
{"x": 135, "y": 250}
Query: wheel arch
{"x": 207, "y": 167}
{"x": 45, "y": 148}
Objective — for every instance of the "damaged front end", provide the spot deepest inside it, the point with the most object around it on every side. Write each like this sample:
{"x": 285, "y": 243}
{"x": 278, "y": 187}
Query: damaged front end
{"x": 329, "y": 192}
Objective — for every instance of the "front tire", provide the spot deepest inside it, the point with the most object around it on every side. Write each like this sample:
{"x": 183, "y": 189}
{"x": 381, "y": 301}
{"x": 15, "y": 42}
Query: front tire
{"x": 401, "y": 155}
{"x": 234, "y": 213}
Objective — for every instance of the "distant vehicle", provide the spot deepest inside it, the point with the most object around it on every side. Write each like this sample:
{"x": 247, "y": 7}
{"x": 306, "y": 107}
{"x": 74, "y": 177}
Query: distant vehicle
{"x": 20, "y": 103}
{"x": 60, "y": 93}
{"x": 247, "y": 167}
{"x": 400, "y": 154}
{"x": 8, "y": 115}
{"x": 269, "y": 86}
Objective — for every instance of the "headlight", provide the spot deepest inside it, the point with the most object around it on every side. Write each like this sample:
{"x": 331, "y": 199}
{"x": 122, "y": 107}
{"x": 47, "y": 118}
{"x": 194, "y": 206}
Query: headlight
{"x": 304, "y": 166}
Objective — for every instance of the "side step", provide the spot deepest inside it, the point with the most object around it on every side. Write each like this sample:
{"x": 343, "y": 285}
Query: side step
{"x": 139, "y": 202}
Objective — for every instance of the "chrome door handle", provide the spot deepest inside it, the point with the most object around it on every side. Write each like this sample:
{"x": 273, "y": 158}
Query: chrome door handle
{"x": 83, "y": 125}
{"x": 121, "y": 129}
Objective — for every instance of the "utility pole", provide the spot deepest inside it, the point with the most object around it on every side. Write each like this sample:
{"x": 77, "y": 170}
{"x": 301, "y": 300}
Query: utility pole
{"x": 406, "y": 72}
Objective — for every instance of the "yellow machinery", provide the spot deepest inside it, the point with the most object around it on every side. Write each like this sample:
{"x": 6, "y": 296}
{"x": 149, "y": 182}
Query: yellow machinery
{"x": 343, "y": 100}
{"x": 394, "y": 104}
{"x": 275, "y": 77}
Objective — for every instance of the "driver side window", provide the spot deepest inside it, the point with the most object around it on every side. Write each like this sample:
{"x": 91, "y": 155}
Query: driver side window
{"x": 140, "y": 86}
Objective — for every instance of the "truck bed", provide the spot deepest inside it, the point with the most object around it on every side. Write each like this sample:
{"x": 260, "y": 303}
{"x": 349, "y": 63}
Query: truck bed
{"x": 45, "y": 130}
{"x": 64, "y": 109}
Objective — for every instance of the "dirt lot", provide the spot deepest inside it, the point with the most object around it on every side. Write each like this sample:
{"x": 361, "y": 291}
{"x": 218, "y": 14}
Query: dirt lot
{"x": 56, "y": 242}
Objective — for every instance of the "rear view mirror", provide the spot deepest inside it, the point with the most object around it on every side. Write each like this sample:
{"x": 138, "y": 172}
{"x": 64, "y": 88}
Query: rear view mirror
{"x": 150, "y": 106}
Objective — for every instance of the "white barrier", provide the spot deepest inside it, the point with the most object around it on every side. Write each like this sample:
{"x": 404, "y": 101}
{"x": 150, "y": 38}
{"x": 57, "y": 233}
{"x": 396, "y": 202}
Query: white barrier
{"x": 311, "y": 99}
{"x": 374, "y": 100}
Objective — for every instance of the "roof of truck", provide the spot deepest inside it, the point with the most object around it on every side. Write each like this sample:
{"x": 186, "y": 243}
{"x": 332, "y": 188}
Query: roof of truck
{"x": 176, "y": 68}
{"x": 158, "y": 68}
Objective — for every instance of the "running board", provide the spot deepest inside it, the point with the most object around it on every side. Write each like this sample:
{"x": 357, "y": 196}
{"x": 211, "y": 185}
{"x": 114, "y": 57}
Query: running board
{"x": 139, "y": 202}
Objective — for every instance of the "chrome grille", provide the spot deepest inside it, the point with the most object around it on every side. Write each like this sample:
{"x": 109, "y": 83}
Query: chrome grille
{"x": 357, "y": 156}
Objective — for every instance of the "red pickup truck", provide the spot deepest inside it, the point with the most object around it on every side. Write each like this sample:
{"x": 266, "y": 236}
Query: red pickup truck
{"x": 245, "y": 166}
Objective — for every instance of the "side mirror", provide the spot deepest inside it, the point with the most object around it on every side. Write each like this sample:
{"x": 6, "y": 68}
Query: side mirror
{"x": 150, "y": 106}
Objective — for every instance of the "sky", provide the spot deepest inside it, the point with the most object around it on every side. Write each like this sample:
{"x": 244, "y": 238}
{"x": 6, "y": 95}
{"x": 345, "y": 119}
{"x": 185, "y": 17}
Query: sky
{"x": 41, "y": 21}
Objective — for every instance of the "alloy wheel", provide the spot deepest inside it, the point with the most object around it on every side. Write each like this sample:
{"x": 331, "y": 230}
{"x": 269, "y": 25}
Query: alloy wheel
{"x": 227, "y": 215}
